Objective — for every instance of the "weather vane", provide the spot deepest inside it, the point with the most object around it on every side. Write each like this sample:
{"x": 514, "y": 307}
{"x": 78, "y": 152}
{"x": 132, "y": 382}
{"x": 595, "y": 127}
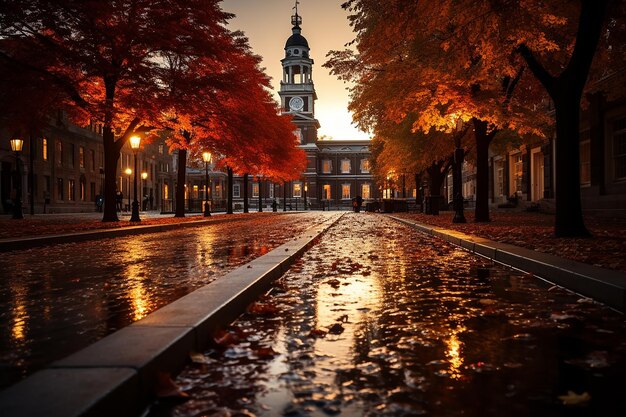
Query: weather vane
{"x": 296, "y": 20}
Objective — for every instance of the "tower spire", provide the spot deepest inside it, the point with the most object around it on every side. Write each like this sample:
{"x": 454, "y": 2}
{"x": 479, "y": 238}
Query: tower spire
{"x": 296, "y": 20}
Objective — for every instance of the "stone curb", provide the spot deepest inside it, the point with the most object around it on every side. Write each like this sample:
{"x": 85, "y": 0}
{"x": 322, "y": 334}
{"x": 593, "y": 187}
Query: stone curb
{"x": 116, "y": 376}
{"x": 7, "y": 245}
{"x": 604, "y": 285}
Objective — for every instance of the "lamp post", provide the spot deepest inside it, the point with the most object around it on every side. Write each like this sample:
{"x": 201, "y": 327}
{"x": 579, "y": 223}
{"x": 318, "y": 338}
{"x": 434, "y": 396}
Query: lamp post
{"x": 135, "y": 141}
{"x": 457, "y": 175}
{"x": 306, "y": 188}
{"x": 128, "y": 172}
{"x": 16, "y": 146}
{"x": 206, "y": 157}
{"x": 144, "y": 177}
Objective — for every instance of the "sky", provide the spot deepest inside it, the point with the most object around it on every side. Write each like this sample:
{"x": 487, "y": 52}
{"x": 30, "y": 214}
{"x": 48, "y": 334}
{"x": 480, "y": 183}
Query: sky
{"x": 267, "y": 24}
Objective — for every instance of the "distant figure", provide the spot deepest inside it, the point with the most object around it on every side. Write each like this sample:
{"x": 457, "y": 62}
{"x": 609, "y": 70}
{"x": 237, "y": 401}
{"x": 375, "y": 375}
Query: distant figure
{"x": 119, "y": 198}
{"x": 99, "y": 203}
{"x": 145, "y": 202}
{"x": 151, "y": 200}
{"x": 359, "y": 203}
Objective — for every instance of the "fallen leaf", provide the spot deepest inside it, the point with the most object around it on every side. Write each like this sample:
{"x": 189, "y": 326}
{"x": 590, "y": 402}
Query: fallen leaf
{"x": 574, "y": 399}
{"x": 197, "y": 357}
{"x": 317, "y": 333}
{"x": 165, "y": 387}
{"x": 263, "y": 309}
{"x": 333, "y": 283}
{"x": 336, "y": 329}
{"x": 265, "y": 352}
{"x": 224, "y": 338}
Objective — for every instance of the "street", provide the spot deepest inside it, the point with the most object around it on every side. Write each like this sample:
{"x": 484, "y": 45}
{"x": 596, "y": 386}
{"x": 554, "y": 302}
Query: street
{"x": 380, "y": 320}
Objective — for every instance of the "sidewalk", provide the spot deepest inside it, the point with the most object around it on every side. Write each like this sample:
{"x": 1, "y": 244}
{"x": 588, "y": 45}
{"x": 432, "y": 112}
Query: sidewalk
{"x": 54, "y": 224}
{"x": 605, "y": 249}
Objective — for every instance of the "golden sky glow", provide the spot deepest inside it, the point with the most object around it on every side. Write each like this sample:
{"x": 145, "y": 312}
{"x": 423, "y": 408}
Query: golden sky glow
{"x": 267, "y": 23}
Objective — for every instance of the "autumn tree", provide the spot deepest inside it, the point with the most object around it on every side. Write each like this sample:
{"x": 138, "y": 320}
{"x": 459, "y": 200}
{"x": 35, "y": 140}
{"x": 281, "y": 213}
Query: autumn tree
{"x": 409, "y": 62}
{"x": 108, "y": 56}
{"x": 451, "y": 58}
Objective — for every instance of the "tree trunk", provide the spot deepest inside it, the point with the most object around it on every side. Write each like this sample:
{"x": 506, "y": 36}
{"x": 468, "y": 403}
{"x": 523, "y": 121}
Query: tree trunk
{"x": 111, "y": 156}
{"x": 260, "y": 196}
{"x": 229, "y": 208}
{"x": 245, "y": 193}
{"x": 180, "y": 185}
{"x": 566, "y": 93}
{"x": 436, "y": 175}
{"x": 483, "y": 140}
{"x": 569, "y": 216}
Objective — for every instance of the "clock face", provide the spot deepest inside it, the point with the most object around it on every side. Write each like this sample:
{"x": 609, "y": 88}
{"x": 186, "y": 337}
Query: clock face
{"x": 296, "y": 103}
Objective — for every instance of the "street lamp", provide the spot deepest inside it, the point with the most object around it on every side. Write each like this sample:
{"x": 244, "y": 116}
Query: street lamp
{"x": 135, "y": 141}
{"x": 128, "y": 172}
{"x": 16, "y": 146}
{"x": 306, "y": 188}
{"x": 144, "y": 177}
{"x": 206, "y": 157}
{"x": 457, "y": 175}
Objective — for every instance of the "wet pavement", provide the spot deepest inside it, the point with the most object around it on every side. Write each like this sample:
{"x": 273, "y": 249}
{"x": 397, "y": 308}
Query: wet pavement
{"x": 58, "y": 299}
{"x": 380, "y": 320}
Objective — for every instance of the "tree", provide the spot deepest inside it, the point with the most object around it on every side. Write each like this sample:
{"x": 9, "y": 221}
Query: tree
{"x": 566, "y": 91}
{"x": 455, "y": 57}
{"x": 108, "y": 57}
{"x": 410, "y": 62}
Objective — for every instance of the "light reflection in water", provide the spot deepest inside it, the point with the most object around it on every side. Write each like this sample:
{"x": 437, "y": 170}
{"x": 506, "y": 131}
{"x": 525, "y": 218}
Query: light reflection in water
{"x": 453, "y": 352}
{"x": 20, "y": 316}
{"x": 137, "y": 294}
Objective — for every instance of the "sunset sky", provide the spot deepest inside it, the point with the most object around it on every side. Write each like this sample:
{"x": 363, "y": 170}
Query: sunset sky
{"x": 267, "y": 23}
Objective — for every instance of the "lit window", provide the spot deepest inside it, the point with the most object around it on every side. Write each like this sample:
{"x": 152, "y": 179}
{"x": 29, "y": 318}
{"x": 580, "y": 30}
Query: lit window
{"x": 345, "y": 166}
{"x": 161, "y": 149}
{"x": 365, "y": 166}
{"x": 81, "y": 157}
{"x": 297, "y": 189}
{"x": 365, "y": 191}
{"x": 195, "y": 191}
{"x": 255, "y": 189}
{"x": 236, "y": 190}
{"x": 44, "y": 149}
{"x": 326, "y": 194}
{"x": 166, "y": 191}
{"x": 71, "y": 190}
{"x": 83, "y": 191}
{"x": 345, "y": 191}
{"x": 59, "y": 153}
{"x": 327, "y": 166}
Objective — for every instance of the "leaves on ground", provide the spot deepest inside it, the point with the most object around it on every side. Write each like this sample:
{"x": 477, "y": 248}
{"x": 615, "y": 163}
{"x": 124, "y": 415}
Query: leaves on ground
{"x": 165, "y": 387}
{"x": 573, "y": 399}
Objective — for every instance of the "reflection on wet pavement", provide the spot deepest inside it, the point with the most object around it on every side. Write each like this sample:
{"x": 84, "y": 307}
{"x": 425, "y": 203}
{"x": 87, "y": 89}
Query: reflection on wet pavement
{"x": 58, "y": 299}
{"x": 379, "y": 320}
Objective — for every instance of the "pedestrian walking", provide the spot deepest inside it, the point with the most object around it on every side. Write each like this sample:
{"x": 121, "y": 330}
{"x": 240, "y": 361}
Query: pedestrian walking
{"x": 119, "y": 198}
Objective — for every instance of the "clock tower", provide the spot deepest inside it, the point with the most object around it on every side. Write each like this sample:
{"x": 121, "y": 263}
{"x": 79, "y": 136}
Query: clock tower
{"x": 297, "y": 92}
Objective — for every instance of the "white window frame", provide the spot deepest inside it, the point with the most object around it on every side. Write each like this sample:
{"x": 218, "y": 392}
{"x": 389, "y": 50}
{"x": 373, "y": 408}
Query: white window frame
{"x": 255, "y": 189}
{"x": 367, "y": 186}
{"x": 365, "y": 166}
{"x": 343, "y": 169}
{"x": 327, "y": 166}
{"x": 297, "y": 189}
{"x": 343, "y": 193}
{"x": 237, "y": 190}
